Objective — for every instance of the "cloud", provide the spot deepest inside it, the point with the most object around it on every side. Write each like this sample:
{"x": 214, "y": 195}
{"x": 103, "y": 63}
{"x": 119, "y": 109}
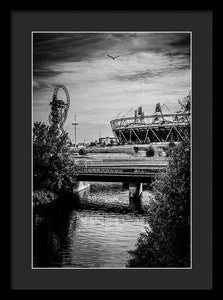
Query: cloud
{"x": 35, "y": 84}
{"x": 39, "y": 85}
{"x": 68, "y": 47}
{"x": 182, "y": 40}
{"x": 152, "y": 67}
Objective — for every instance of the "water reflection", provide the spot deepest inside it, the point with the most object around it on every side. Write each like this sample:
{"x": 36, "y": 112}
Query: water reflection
{"x": 136, "y": 204}
{"x": 96, "y": 230}
{"x": 50, "y": 236}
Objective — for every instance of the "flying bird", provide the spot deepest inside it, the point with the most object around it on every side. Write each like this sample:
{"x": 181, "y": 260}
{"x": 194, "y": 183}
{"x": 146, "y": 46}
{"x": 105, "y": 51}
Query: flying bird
{"x": 112, "y": 56}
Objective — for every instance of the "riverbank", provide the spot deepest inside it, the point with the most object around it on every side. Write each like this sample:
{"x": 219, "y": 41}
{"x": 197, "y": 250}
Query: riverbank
{"x": 85, "y": 199}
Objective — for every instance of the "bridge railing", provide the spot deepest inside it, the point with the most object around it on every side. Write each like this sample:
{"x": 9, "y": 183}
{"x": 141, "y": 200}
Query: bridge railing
{"x": 118, "y": 171}
{"x": 122, "y": 163}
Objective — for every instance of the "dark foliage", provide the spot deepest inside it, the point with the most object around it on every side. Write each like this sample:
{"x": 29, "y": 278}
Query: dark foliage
{"x": 82, "y": 151}
{"x": 166, "y": 242}
{"x": 43, "y": 198}
{"x": 53, "y": 170}
{"x": 150, "y": 151}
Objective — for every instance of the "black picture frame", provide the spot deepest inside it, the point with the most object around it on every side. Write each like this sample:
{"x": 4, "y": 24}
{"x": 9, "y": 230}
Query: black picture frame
{"x": 200, "y": 275}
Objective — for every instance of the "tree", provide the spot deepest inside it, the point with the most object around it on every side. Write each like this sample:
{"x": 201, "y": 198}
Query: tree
{"x": 185, "y": 104}
{"x": 53, "y": 170}
{"x": 82, "y": 151}
{"x": 166, "y": 243}
{"x": 150, "y": 151}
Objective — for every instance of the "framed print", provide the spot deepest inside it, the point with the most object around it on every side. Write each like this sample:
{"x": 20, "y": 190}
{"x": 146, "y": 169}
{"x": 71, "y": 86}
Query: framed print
{"x": 111, "y": 129}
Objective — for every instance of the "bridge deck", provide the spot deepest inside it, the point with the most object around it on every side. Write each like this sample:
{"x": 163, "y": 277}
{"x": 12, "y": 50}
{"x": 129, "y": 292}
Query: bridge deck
{"x": 121, "y": 171}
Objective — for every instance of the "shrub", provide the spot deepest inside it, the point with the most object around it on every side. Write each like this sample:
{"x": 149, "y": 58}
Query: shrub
{"x": 82, "y": 151}
{"x": 167, "y": 241}
{"x": 53, "y": 170}
{"x": 42, "y": 197}
{"x": 150, "y": 151}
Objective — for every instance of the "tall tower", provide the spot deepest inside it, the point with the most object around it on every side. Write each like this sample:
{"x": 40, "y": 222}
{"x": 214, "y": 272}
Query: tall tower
{"x": 59, "y": 111}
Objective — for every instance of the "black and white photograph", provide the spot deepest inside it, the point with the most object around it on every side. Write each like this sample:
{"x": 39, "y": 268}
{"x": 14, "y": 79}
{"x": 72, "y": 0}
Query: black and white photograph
{"x": 111, "y": 150}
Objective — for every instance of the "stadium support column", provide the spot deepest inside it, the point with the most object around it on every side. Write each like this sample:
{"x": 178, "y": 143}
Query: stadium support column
{"x": 135, "y": 193}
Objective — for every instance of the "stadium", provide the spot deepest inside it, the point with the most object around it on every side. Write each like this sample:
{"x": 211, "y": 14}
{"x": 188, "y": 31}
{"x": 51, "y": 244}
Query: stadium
{"x": 158, "y": 127}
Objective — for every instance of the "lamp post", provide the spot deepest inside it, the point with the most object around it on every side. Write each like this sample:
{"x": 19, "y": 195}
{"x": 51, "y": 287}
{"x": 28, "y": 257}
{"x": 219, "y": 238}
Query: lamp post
{"x": 75, "y": 129}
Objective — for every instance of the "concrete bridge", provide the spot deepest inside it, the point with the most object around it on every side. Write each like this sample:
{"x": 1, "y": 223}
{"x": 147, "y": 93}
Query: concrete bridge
{"x": 127, "y": 173}
{"x": 132, "y": 171}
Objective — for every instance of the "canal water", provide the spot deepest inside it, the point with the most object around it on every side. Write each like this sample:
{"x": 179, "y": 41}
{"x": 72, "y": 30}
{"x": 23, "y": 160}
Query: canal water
{"x": 95, "y": 230}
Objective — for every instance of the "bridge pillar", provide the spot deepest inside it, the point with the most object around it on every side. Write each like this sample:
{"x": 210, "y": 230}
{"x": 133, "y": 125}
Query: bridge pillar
{"x": 135, "y": 193}
{"x": 80, "y": 186}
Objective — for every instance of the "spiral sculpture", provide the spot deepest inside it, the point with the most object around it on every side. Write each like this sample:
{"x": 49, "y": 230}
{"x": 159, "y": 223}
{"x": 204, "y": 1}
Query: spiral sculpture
{"x": 59, "y": 111}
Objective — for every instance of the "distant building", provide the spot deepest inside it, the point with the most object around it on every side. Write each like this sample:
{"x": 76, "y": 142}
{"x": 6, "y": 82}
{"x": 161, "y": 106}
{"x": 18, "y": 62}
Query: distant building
{"x": 93, "y": 144}
{"x": 104, "y": 141}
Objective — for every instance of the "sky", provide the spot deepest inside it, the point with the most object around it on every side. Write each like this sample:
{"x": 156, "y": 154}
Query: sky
{"x": 152, "y": 67}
